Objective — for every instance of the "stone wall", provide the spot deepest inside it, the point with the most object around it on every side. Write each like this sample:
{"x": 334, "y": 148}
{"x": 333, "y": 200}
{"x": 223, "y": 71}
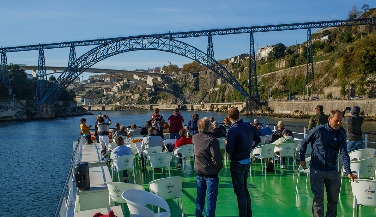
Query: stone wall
{"x": 308, "y": 107}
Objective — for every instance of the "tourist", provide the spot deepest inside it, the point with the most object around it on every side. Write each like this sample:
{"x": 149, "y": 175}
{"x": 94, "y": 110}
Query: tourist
{"x": 241, "y": 139}
{"x": 85, "y": 131}
{"x": 144, "y": 130}
{"x": 103, "y": 131}
{"x": 214, "y": 122}
{"x": 152, "y": 140}
{"x": 121, "y": 150}
{"x": 157, "y": 122}
{"x": 183, "y": 140}
{"x": 117, "y": 127}
{"x": 134, "y": 131}
{"x": 280, "y": 133}
{"x": 192, "y": 125}
{"x": 327, "y": 141}
{"x": 354, "y": 129}
{"x": 166, "y": 128}
{"x": 208, "y": 163}
{"x": 122, "y": 132}
{"x": 176, "y": 124}
{"x": 218, "y": 131}
{"x": 318, "y": 119}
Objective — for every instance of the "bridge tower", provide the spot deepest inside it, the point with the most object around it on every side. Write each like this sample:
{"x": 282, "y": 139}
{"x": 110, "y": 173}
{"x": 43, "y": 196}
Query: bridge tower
{"x": 210, "y": 50}
{"x": 4, "y": 71}
{"x": 252, "y": 75}
{"x": 41, "y": 77}
{"x": 310, "y": 69}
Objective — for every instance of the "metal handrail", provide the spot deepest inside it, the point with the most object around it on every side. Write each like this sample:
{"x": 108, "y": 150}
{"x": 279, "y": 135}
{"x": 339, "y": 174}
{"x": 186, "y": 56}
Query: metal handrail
{"x": 65, "y": 194}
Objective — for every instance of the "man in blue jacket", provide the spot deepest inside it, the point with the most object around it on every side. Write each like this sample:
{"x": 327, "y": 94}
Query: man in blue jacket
{"x": 327, "y": 141}
{"x": 241, "y": 139}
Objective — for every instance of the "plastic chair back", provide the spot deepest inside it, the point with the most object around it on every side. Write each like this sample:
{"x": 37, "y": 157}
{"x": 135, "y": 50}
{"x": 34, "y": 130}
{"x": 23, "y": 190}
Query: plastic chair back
{"x": 137, "y": 201}
{"x": 185, "y": 151}
{"x": 125, "y": 162}
{"x": 167, "y": 188}
{"x": 364, "y": 168}
{"x": 363, "y": 153}
{"x": 160, "y": 160}
{"x": 115, "y": 189}
{"x": 264, "y": 151}
{"x": 364, "y": 191}
{"x": 285, "y": 149}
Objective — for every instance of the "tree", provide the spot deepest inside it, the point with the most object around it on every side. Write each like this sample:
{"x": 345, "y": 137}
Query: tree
{"x": 354, "y": 13}
{"x": 192, "y": 67}
{"x": 277, "y": 52}
{"x": 365, "y": 8}
{"x": 22, "y": 87}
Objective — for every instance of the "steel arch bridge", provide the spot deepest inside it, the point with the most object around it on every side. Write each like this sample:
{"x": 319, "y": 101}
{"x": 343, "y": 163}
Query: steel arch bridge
{"x": 123, "y": 45}
{"x": 154, "y": 42}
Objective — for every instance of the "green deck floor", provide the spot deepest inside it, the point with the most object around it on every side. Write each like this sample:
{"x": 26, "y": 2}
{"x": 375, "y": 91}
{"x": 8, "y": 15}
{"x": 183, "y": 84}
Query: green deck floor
{"x": 271, "y": 195}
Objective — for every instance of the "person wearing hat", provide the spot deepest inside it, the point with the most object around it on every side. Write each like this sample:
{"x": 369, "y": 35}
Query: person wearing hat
{"x": 318, "y": 119}
{"x": 176, "y": 124}
{"x": 279, "y": 133}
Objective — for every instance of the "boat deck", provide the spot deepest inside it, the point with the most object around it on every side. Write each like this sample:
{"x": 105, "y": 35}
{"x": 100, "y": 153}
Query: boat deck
{"x": 272, "y": 194}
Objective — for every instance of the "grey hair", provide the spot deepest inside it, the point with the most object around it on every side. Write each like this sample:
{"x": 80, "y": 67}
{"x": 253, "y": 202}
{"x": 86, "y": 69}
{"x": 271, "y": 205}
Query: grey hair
{"x": 204, "y": 125}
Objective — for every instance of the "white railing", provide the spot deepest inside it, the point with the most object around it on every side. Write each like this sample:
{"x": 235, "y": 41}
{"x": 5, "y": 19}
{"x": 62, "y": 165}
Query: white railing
{"x": 67, "y": 200}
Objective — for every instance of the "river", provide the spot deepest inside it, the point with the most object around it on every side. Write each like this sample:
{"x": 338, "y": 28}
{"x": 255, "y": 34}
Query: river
{"x": 36, "y": 156}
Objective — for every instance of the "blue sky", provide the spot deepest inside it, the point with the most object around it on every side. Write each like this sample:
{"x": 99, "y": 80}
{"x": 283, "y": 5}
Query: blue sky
{"x": 24, "y": 22}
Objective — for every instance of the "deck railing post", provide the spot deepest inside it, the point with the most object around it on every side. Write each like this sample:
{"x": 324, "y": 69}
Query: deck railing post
{"x": 304, "y": 131}
{"x": 365, "y": 140}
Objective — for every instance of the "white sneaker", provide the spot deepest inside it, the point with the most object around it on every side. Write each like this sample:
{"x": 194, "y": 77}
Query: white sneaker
{"x": 283, "y": 166}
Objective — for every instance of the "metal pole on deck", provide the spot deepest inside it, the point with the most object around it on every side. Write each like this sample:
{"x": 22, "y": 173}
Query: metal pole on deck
{"x": 365, "y": 140}
{"x": 304, "y": 132}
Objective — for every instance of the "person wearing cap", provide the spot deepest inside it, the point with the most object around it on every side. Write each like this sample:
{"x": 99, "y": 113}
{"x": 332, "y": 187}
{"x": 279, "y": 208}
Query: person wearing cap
{"x": 241, "y": 139}
{"x": 279, "y": 133}
{"x": 354, "y": 129}
{"x": 327, "y": 141}
{"x": 318, "y": 119}
{"x": 176, "y": 124}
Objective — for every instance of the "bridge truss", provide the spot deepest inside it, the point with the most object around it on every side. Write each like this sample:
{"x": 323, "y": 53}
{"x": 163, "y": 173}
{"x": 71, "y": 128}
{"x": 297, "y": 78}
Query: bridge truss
{"x": 77, "y": 66}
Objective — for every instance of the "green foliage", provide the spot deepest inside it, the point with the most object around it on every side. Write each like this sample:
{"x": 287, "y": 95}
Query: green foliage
{"x": 277, "y": 52}
{"x": 22, "y": 87}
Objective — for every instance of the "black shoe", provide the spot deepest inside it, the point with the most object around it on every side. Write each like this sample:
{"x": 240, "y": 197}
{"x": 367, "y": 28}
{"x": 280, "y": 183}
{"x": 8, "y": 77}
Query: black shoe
{"x": 126, "y": 180}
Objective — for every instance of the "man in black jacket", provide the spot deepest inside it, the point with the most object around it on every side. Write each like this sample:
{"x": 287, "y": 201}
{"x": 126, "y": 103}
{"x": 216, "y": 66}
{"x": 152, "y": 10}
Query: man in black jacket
{"x": 354, "y": 130}
{"x": 327, "y": 141}
{"x": 241, "y": 139}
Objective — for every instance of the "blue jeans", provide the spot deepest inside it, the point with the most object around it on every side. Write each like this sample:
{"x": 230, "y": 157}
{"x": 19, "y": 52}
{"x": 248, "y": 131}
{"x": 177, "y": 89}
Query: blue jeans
{"x": 354, "y": 145}
{"x": 174, "y": 135}
{"x": 239, "y": 175}
{"x": 330, "y": 180}
{"x": 206, "y": 186}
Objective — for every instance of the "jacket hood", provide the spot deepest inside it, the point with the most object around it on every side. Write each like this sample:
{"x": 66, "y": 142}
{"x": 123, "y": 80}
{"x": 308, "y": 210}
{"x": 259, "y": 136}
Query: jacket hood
{"x": 355, "y": 110}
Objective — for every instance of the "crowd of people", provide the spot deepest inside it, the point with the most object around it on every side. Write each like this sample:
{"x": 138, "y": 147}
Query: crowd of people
{"x": 326, "y": 136}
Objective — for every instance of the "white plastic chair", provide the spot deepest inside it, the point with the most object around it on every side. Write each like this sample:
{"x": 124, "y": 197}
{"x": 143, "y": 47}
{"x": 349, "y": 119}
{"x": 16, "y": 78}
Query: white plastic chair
{"x": 364, "y": 168}
{"x": 166, "y": 136}
{"x": 364, "y": 191}
{"x": 115, "y": 189}
{"x": 160, "y": 160}
{"x": 168, "y": 188}
{"x": 186, "y": 151}
{"x": 264, "y": 152}
{"x": 137, "y": 141}
{"x": 121, "y": 163}
{"x": 362, "y": 153}
{"x": 168, "y": 141}
{"x": 138, "y": 200}
{"x": 285, "y": 150}
{"x": 112, "y": 145}
{"x": 302, "y": 170}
